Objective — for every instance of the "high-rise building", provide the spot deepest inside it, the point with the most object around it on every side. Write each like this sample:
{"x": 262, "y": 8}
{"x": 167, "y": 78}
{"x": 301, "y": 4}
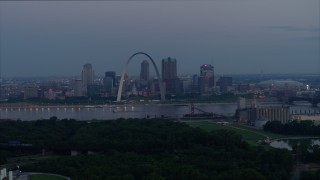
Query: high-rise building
{"x": 109, "y": 81}
{"x": 206, "y": 79}
{"x": 112, "y": 75}
{"x": 87, "y": 77}
{"x": 170, "y": 77}
{"x": 144, "y": 73}
{"x": 169, "y": 68}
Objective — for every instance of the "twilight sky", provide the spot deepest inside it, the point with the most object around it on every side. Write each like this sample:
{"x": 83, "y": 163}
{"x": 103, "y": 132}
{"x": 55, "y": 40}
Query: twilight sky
{"x": 236, "y": 36}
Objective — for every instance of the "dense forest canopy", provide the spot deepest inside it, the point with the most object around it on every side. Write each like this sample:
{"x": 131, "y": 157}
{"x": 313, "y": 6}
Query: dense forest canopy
{"x": 293, "y": 128}
{"x": 145, "y": 149}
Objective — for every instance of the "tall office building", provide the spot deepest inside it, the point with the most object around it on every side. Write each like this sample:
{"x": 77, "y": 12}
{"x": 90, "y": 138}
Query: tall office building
{"x": 144, "y": 73}
{"x": 206, "y": 79}
{"x": 169, "y": 68}
{"x": 170, "y": 77}
{"x": 109, "y": 81}
{"x": 87, "y": 77}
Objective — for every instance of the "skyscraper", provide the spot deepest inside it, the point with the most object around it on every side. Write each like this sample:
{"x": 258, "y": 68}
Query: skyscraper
{"x": 87, "y": 77}
{"x": 144, "y": 73}
{"x": 170, "y": 77}
{"x": 109, "y": 81}
{"x": 169, "y": 68}
{"x": 206, "y": 79}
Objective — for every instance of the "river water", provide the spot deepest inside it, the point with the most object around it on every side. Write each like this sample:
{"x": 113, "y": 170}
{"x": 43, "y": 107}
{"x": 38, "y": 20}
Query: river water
{"x": 129, "y": 111}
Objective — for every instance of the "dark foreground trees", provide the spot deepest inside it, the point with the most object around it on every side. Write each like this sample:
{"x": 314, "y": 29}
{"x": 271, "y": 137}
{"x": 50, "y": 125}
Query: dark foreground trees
{"x": 304, "y": 128}
{"x": 147, "y": 149}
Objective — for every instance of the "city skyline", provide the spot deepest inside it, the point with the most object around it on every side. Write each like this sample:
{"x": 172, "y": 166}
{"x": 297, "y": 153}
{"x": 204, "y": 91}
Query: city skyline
{"x": 236, "y": 37}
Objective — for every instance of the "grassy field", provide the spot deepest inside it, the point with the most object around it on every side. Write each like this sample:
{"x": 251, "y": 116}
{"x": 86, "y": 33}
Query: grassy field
{"x": 248, "y": 134}
{"x": 45, "y": 177}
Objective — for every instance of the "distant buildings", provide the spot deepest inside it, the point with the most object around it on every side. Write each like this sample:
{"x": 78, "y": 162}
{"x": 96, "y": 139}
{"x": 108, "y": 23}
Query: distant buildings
{"x": 87, "y": 77}
{"x": 206, "y": 79}
{"x": 169, "y": 76}
{"x": 30, "y": 91}
{"x": 109, "y": 81}
{"x": 224, "y": 83}
{"x": 144, "y": 73}
{"x": 77, "y": 86}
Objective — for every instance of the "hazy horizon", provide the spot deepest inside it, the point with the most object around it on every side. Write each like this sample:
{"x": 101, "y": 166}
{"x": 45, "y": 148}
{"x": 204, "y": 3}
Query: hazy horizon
{"x": 55, "y": 38}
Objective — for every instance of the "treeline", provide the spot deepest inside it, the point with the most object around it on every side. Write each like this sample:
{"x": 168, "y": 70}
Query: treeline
{"x": 303, "y": 152}
{"x": 293, "y": 128}
{"x": 147, "y": 149}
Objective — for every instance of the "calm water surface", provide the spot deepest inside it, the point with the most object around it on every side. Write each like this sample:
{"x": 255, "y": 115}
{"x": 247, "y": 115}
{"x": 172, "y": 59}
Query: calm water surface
{"x": 127, "y": 111}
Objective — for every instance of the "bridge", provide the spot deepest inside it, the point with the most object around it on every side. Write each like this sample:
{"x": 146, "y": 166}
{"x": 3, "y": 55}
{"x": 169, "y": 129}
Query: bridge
{"x": 313, "y": 100}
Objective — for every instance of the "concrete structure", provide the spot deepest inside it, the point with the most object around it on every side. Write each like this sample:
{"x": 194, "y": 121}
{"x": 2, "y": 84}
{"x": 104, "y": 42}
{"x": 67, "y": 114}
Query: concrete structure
{"x": 87, "y": 77}
{"x": 273, "y": 113}
{"x": 125, "y": 69}
{"x": 242, "y": 104}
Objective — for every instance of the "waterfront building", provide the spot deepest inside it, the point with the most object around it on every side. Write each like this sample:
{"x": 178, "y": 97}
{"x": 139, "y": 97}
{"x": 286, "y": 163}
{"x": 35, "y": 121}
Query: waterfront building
{"x": 256, "y": 114}
{"x": 87, "y": 77}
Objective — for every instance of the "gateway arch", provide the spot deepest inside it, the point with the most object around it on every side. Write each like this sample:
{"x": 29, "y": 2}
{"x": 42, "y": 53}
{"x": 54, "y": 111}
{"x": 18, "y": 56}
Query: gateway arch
{"x": 125, "y": 70}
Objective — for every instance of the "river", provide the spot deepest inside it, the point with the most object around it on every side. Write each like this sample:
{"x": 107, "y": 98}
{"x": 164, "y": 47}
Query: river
{"x": 108, "y": 112}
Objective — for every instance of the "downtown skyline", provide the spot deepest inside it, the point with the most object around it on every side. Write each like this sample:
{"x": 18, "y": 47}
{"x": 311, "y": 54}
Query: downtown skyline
{"x": 244, "y": 37}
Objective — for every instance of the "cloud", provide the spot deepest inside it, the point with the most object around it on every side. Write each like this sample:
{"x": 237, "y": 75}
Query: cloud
{"x": 296, "y": 29}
